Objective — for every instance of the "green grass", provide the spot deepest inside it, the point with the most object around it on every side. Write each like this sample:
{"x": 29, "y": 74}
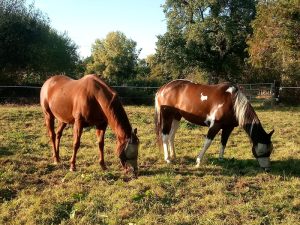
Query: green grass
{"x": 233, "y": 191}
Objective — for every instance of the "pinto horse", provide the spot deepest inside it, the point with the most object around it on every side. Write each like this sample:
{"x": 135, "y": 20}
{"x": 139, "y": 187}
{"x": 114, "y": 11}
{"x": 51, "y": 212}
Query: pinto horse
{"x": 222, "y": 106}
{"x": 87, "y": 102}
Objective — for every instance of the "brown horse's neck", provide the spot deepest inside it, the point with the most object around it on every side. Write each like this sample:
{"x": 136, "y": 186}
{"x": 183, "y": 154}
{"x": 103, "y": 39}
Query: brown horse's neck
{"x": 118, "y": 120}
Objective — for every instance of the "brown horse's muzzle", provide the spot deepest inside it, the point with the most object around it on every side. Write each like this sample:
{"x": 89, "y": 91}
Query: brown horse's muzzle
{"x": 132, "y": 167}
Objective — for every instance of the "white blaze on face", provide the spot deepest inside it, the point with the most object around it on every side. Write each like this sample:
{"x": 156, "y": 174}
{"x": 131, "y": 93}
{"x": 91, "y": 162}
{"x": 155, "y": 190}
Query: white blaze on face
{"x": 203, "y": 97}
{"x": 210, "y": 119}
{"x": 264, "y": 162}
{"x": 262, "y": 149}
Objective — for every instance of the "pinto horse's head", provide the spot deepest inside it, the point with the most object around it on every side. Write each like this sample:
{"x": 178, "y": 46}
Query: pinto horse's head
{"x": 129, "y": 155}
{"x": 262, "y": 152}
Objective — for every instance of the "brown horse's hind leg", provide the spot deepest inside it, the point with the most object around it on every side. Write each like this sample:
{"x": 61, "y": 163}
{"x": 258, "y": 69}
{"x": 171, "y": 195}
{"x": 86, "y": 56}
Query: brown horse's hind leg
{"x": 49, "y": 121}
{"x": 100, "y": 138}
{"x": 60, "y": 128}
{"x": 77, "y": 131}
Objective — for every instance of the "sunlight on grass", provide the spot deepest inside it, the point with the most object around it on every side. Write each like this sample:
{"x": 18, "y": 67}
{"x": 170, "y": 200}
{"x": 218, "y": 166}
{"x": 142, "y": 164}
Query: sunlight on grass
{"x": 234, "y": 191}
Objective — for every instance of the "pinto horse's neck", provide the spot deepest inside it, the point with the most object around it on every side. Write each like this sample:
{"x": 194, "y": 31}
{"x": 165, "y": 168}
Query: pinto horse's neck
{"x": 248, "y": 119}
{"x": 255, "y": 131}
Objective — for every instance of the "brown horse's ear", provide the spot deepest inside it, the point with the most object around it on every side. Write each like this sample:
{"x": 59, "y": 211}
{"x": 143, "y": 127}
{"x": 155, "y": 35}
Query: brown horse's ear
{"x": 271, "y": 133}
{"x": 135, "y": 131}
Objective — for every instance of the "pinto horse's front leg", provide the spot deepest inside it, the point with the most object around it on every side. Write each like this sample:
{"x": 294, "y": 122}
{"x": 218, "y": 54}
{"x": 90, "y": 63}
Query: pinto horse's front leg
{"x": 100, "y": 138}
{"x": 77, "y": 131}
{"x": 209, "y": 138}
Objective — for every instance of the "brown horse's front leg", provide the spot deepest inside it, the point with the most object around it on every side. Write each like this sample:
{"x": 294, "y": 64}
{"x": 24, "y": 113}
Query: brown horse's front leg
{"x": 100, "y": 137}
{"x": 77, "y": 131}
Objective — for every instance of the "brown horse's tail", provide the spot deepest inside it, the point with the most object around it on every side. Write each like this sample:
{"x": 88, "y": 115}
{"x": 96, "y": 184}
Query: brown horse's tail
{"x": 157, "y": 119}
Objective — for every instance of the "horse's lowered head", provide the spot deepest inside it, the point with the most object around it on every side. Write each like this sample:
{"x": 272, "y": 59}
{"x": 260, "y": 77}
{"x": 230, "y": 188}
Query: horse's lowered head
{"x": 262, "y": 151}
{"x": 129, "y": 153}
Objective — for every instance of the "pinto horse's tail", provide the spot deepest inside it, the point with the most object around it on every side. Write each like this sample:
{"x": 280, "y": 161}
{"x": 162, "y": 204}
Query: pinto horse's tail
{"x": 157, "y": 119}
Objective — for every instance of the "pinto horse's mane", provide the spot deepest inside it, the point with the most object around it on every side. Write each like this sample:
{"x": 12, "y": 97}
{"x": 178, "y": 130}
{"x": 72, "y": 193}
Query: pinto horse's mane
{"x": 244, "y": 112}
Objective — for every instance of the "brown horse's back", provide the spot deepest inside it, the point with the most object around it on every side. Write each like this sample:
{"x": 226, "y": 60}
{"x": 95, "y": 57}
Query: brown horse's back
{"x": 67, "y": 99}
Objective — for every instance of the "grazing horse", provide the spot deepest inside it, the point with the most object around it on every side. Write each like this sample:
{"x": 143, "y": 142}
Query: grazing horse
{"x": 222, "y": 106}
{"x": 87, "y": 102}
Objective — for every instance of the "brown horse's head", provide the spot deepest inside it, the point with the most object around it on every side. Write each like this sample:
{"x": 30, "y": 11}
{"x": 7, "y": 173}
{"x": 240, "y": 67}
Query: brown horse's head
{"x": 129, "y": 153}
{"x": 262, "y": 152}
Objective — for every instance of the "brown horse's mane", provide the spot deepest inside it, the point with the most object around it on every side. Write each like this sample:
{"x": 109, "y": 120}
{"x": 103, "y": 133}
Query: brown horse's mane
{"x": 117, "y": 118}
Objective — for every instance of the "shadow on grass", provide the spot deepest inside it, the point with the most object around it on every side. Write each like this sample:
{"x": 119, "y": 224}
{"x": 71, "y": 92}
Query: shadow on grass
{"x": 5, "y": 151}
{"x": 286, "y": 168}
{"x": 227, "y": 167}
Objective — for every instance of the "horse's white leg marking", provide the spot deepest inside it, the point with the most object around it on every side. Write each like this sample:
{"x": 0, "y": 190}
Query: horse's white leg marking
{"x": 206, "y": 145}
{"x": 230, "y": 90}
{"x": 221, "y": 153}
{"x": 175, "y": 125}
{"x": 165, "y": 139}
{"x": 203, "y": 97}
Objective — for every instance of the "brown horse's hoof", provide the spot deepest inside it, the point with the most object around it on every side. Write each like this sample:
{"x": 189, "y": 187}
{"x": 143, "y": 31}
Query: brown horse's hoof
{"x": 103, "y": 166}
{"x": 56, "y": 161}
{"x": 72, "y": 168}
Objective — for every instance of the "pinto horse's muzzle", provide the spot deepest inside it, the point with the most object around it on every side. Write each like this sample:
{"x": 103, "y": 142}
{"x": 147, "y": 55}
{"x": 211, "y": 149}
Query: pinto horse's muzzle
{"x": 262, "y": 153}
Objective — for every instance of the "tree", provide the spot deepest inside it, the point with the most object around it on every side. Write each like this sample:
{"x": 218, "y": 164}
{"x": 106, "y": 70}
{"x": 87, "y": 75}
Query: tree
{"x": 208, "y": 36}
{"x": 114, "y": 58}
{"x": 30, "y": 49}
{"x": 275, "y": 43}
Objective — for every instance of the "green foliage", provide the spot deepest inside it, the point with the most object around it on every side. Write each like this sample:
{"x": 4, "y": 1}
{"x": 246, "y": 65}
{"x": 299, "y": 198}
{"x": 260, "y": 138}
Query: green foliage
{"x": 205, "y": 36}
{"x": 114, "y": 58}
{"x": 275, "y": 43}
{"x": 233, "y": 191}
{"x": 30, "y": 49}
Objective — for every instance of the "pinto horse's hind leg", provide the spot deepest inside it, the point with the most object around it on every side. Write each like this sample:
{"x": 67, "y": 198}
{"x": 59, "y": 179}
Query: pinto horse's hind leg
{"x": 208, "y": 140}
{"x": 167, "y": 124}
{"x": 174, "y": 127}
{"x": 100, "y": 139}
{"x": 60, "y": 128}
{"x": 77, "y": 131}
{"x": 224, "y": 138}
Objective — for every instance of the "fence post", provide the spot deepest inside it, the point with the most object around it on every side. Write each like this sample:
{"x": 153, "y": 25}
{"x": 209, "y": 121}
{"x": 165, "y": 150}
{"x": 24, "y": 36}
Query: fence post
{"x": 276, "y": 91}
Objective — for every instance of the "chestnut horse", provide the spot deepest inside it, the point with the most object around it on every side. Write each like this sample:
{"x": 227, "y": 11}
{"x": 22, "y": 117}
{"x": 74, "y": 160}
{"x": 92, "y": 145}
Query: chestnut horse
{"x": 222, "y": 106}
{"x": 87, "y": 102}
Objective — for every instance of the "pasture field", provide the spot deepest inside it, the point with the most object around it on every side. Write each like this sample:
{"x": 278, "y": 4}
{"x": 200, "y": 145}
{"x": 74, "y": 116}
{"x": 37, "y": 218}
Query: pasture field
{"x": 232, "y": 191}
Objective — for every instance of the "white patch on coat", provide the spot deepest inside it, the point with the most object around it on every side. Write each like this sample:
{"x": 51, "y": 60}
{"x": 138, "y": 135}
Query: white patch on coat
{"x": 203, "y": 97}
{"x": 210, "y": 119}
{"x": 230, "y": 90}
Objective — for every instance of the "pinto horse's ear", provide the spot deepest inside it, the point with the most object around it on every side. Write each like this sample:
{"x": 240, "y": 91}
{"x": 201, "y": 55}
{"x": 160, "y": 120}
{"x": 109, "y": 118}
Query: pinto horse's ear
{"x": 271, "y": 133}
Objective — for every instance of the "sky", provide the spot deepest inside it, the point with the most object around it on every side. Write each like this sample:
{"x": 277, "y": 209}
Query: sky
{"x": 88, "y": 20}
